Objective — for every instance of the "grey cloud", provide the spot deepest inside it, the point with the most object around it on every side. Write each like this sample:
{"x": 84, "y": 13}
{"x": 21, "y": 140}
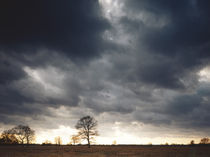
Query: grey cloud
{"x": 153, "y": 79}
{"x": 184, "y": 111}
{"x": 71, "y": 27}
{"x": 41, "y": 34}
{"x": 10, "y": 69}
{"x": 176, "y": 47}
{"x": 183, "y": 105}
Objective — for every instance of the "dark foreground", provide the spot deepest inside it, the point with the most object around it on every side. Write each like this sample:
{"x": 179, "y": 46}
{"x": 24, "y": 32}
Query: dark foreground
{"x": 105, "y": 151}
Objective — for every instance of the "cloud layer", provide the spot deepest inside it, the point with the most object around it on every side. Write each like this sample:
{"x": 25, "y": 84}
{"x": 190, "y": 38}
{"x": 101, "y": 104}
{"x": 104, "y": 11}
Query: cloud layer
{"x": 138, "y": 59}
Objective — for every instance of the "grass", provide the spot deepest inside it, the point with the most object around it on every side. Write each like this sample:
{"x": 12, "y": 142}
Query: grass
{"x": 105, "y": 151}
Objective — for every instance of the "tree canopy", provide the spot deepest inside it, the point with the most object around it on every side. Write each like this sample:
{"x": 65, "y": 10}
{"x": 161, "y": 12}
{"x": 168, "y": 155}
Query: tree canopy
{"x": 87, "y": 128}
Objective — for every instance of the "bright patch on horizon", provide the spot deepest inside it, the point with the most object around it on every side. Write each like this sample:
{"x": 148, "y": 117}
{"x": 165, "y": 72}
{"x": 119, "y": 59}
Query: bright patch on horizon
{"x": 64, "y": 132}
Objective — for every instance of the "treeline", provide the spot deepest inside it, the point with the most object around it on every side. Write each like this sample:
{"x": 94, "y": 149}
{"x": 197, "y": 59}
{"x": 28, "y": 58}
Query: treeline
{"x": 205, "y": 140}
{"x": 22, "y": 134}
{"x": 86, "y": 126}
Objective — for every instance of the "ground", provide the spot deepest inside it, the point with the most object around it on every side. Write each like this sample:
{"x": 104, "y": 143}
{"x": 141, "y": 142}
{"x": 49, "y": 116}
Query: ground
{"x": 105, "y": 151}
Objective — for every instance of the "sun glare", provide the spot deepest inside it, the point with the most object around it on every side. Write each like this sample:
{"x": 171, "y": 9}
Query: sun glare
{"x": 64, "y": 132}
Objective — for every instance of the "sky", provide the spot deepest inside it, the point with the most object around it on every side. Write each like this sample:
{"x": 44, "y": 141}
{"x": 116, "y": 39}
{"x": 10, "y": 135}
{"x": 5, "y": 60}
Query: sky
{"x": 141, "y": 68}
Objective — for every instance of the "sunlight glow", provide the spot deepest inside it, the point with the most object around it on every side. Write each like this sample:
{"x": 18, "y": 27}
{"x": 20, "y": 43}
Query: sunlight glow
{"x": 204, "y": 75}
{"x": 64, "y": 132}
{"x": 120, "y": 137}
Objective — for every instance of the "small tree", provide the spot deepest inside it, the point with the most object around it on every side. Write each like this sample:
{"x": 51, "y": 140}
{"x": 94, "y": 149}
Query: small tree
{"x": 7, "y": 137}
{"x": 58, "y": 140}
{"x": 75, "y": 139}
{"x": 204, "y": 140}
{"x": 87, "y": 128}
{"x": 192, "y": 142}
{"x": 24, "y": 134}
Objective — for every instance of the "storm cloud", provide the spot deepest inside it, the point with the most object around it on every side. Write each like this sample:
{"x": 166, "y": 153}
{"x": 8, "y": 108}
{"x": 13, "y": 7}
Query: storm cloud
{"x": 142, "y": 61}
{"x": 72, "y": 27}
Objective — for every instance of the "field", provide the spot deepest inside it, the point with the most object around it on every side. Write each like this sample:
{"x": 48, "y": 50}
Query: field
{"x": 105, "y": 151}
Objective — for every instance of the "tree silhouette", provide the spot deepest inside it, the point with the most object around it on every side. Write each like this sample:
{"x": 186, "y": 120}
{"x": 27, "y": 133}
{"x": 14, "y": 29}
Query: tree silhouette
{"x": 24, "y": 134}
{"x": 7, "y": 137}
{"x": 204, "y": 140}
{"x": 192, "y": 142}
{"x": 87, "y": 128}
{"x": 18, "y": 135}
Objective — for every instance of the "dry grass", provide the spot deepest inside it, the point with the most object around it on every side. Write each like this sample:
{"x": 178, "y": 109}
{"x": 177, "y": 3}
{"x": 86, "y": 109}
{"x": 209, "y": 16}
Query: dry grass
{"x": 105, "y": 151}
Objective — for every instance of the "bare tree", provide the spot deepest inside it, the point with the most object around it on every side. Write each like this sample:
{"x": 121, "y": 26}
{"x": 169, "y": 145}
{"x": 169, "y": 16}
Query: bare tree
{"x": 24, "y": 134}
{"x": 7, "y": 137}
{"x": 58, "y": 140}
{"x": 204, "y": 140}
{"x": 87, "y": 128}
{"x": 75, "y": 139}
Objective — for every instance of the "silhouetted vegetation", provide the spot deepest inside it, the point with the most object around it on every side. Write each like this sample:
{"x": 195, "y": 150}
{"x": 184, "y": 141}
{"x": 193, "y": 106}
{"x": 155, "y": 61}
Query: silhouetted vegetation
{"x": 24, "y": 133}
{"x": 47, "y": 142}
{"x": 205, "y": 140}
{"x": 192, "y": 142}
{"x": 87, "y": 129}
{"x": 7, "y": 137}
{"x": 18, "y": 135}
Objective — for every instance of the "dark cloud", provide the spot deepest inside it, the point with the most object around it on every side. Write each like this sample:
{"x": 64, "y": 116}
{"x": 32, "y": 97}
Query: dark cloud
{"x": 191, "y": 110}
{"x": 184, "y": 104}
{"x": 10, "y": 71}
{"x": 38, "y": 34}
{"x": 187, "y": 27}
{"x": 151, "y": 78}
{"x": 175, "y": 34}
{"x": 74, "y": 27}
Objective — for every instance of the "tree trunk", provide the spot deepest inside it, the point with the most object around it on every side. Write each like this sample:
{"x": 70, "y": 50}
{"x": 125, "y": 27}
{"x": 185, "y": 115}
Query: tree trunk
{"x": 88, "y": 142}
{"x": 27, "y": 140}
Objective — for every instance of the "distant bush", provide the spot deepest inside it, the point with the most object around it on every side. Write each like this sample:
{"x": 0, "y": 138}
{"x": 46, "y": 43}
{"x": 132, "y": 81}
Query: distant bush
{"x": 192, "y": 142}
{"x": 18, "y": 135}
{"x": 7, "y": 137}
{"x": 47, "y": 142}
{"x": 205, "y": 140}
